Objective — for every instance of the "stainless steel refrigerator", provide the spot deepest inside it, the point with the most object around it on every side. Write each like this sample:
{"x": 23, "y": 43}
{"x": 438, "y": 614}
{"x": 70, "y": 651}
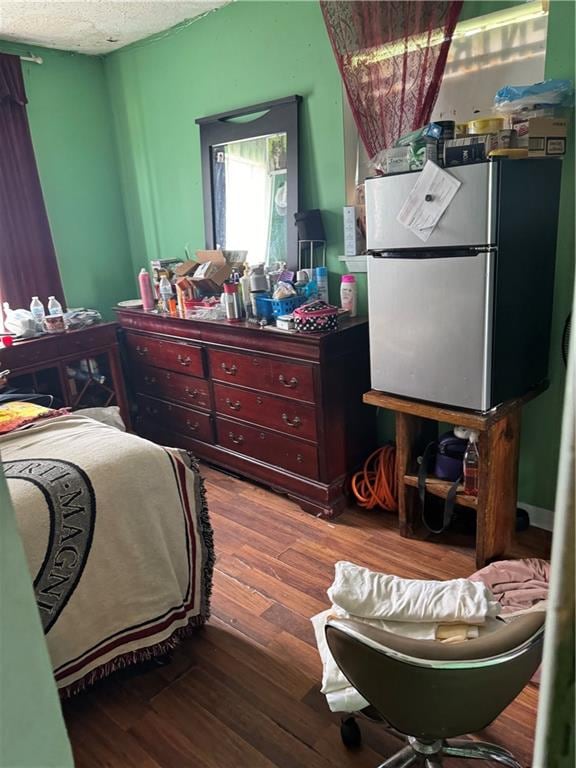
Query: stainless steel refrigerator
{"x": 464, "y": 318}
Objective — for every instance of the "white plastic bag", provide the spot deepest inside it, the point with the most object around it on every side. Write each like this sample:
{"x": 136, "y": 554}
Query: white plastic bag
{"x": 19, "y": 322}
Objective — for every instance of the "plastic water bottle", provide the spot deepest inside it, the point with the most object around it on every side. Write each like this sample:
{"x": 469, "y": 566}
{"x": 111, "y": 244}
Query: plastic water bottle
{"x": 38, "y": 313}
{"x": 165, "y": 293}
{"x": 322, "y": 282}
{"x": 54, "y": 306}
{"x": 471, "y": 466}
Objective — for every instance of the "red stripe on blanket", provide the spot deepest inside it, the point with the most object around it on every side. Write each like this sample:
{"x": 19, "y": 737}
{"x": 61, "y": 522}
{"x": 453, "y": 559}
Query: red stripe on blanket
{"x": 122, "y": 641}
{"x": 175, "y": 614}
{"x": 182, "y": 470}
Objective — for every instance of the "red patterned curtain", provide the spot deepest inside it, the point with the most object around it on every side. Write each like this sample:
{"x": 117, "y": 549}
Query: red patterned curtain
{"x": 391, "y": 56}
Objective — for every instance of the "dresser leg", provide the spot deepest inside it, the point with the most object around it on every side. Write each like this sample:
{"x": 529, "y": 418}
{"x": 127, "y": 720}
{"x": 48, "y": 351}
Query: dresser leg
{"x": 118, "y": 384}
{"x": 326, "y": 511}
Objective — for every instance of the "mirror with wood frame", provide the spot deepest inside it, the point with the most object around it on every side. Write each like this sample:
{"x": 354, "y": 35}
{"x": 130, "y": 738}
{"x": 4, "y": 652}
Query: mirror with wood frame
{"x": 250, "y": 181}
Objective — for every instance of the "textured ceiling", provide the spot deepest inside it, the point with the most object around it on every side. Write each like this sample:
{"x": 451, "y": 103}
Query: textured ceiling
{"x": 94, "y": 26}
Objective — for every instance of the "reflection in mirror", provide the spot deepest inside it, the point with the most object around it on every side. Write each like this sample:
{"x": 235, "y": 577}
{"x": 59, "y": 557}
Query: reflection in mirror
{"x": 250, "y": 181}
{"x": 250, "y": 197}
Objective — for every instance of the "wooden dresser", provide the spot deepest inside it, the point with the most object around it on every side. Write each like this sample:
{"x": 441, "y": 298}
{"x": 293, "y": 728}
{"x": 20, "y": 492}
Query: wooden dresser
{"x": 279, "y": 408}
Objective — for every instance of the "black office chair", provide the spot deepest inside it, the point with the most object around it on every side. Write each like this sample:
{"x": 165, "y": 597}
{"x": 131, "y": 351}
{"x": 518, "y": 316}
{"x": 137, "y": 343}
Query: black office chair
{"x": 428, "y": 692}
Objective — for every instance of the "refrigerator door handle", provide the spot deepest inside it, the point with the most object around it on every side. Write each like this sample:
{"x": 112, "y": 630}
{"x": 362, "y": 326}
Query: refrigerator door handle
{"x": 432, "y": 253}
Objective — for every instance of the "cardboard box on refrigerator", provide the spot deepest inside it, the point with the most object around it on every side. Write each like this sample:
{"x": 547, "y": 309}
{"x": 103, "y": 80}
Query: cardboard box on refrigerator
{"x": 547, "y": 136}
{"x": 542, "y": 136}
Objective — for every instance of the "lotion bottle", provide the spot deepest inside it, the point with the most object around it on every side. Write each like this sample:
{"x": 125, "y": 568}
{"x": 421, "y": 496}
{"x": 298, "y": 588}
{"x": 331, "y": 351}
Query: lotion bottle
{"x": 146, "y": 293}
{"x": 349, "y": 294}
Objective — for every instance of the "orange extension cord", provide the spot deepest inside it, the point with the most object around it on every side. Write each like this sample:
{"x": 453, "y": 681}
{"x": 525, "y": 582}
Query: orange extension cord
{"x": 375, "y": 485}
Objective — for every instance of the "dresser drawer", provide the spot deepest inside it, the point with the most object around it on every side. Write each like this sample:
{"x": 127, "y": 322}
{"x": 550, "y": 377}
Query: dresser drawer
{"x": 173, "y": 386}
{"x": 29, "y": 353}
{"x": 287, "y": 452}
{"x": 293, "y": 380}
{"x": 86, "y": 339}
{"x": 288, "y": 416}
{"x": 177, "y": 418}
{"x": 173, "y": 355}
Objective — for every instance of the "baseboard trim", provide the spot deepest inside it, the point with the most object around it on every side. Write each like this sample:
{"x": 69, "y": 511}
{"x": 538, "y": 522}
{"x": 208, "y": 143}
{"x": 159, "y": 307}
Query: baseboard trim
{"x": 539, "y": 517}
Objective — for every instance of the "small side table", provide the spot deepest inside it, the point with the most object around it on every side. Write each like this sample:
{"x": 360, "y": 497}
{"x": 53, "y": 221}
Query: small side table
{"x": 498, "y": 445}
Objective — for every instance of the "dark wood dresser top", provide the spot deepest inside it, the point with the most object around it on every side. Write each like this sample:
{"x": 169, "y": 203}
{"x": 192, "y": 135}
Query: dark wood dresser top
{"x": 247, "y": 335}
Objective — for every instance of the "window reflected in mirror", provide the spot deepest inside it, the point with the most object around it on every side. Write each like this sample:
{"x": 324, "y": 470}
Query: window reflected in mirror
{"x": 250, "y": 203}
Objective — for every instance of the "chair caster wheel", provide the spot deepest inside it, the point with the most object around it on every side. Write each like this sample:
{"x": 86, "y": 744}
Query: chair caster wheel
{"x": 350, "y": 733}
{"x": 522, "y": 519}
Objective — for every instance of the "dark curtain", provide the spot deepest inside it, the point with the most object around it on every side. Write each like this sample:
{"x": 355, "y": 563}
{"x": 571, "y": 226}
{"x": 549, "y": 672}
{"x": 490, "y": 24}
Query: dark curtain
{"x": 391, "y": 56}
{"x": 28, "y": 265}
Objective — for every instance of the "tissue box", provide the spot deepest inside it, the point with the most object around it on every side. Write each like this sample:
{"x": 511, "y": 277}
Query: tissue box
{"x": 471, "y": 149}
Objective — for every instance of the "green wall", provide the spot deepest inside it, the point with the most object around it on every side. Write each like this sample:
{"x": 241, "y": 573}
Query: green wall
{"x": 250, "y": 52}
{"x": 243, "y": 54}
{"x": 543, "y": 417}
{"x": 71, "y": 124}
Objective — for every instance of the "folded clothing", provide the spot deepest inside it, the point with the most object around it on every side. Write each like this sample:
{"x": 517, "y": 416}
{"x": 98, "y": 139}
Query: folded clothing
{"x": 364, "y": 593}
{"x": 448, "y": 611}
{"x": 517, "y": 585}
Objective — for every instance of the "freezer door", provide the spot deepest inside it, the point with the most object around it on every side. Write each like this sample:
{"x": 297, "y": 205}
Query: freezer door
{"x": 468, "y": 221}
{"x": 431, "y": 328}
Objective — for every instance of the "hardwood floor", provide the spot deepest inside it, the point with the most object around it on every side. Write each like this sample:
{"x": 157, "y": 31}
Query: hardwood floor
{"x": 244, "y": 691}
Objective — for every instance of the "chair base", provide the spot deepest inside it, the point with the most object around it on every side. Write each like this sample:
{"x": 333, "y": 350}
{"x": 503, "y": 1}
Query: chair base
{"x": 431, "y": 755}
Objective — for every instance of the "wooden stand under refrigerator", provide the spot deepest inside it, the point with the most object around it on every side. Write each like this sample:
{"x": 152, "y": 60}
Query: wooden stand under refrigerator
{"x": 498, "y": 446}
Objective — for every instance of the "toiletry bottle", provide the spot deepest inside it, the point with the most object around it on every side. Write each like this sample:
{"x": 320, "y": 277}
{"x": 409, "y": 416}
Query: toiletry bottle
{"x": 231, "y": 303}
{"x": 311, "y": 290}
{"x": 54, "y": 306}
{"x": 245, "y": 291}
{"x": 38, "y": 313}
{"x": 322, "y": 282}
{"x": 471, "y": 466}
{"x": 146, "y": 293}
{"x": 165, "y": 293}
{"x": 348, "y": 294}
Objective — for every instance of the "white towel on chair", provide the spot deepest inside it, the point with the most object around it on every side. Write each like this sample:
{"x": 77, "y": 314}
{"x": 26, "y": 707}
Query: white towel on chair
{"x": 365, "y": 593}
{"x": 407, "y": 607}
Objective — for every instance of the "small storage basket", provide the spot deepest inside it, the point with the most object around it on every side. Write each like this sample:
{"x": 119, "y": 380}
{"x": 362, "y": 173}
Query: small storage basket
{"x": 316, "y": 317}
{"x": 269, "y": 308}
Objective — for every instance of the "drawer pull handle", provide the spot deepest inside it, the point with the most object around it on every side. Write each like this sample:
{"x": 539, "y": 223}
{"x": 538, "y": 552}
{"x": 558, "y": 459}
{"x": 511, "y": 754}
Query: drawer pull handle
{"x": 229, "y": 371}
{"x": 299, "y": 458}
{"x": 295, "y": 422}
{"x": 141, "y": 350}
{"x": 150, "y": 379}
{"x": 237, "y": 440}
{"x": 191, "y": 392}
{"x": 151, "y": 411}
{"x": 234, "y": 406}
{"x": 288, "y": 384}
{"x": 192, "y": 427}
{"x": 259, "y": 400}
{"x": 184, "y": 360}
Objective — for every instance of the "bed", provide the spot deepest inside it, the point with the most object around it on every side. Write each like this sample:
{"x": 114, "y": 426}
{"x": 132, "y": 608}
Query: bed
{"x": 118, "y": 539}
